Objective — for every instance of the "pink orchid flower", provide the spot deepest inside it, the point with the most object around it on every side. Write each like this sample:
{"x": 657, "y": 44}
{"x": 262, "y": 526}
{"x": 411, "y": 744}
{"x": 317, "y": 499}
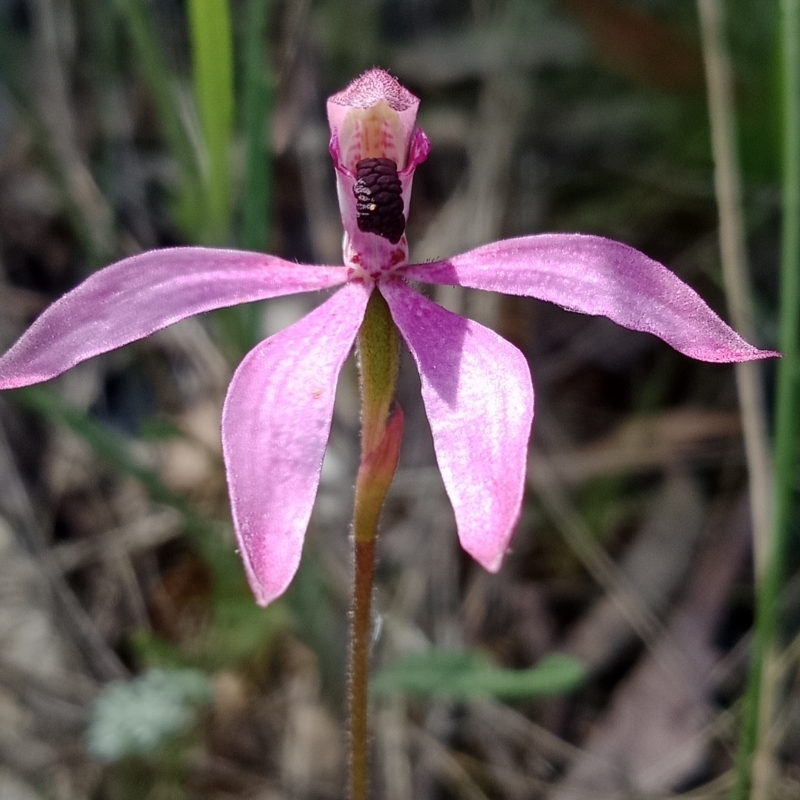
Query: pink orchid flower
{"x": 476, "y": 387}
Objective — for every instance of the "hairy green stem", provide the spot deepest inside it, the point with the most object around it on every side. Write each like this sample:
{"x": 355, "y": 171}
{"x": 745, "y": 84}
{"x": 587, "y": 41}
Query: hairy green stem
{"x": 378, "y": 360}
{"x": 378, "y": 356}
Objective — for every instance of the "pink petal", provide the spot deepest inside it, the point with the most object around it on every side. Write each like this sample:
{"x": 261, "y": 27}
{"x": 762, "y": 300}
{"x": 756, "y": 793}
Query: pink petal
{"x": 479, "y": 400}
{"x": 275, "y": 427}
{"x": 137, "y": 296}
{"x": 594, "y": 275}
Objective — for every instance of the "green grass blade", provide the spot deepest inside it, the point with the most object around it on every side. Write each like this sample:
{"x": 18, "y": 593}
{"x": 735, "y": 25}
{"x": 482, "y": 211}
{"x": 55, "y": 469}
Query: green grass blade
{"x": 212, "y": 58}
{"x": 787, "y": 421}
{"x": 788, "y": 399}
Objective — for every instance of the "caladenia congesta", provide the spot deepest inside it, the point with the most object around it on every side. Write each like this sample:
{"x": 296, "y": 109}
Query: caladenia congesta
{"x": 476, "y": 387}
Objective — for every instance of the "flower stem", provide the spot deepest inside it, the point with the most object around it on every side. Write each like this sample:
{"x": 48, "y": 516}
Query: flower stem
{"x": 378, "y": 355}
{"x": 359, "y": 666}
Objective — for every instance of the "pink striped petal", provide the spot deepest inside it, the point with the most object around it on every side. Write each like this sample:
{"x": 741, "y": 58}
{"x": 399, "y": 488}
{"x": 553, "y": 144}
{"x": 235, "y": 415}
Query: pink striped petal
{"x": 594, "y": 275}
{"x": 137, "y": 296}
{"x": 275, "y": 427}
{"x": 479, "y": 400}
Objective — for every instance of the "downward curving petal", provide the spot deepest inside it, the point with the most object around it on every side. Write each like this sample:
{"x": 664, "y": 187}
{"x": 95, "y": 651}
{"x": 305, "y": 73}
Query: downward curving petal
{"x": 275, "y": 427}
{"x": 137, "y": 296}
{"x": 479, "y": 400}
{"x": 594, "y": 275}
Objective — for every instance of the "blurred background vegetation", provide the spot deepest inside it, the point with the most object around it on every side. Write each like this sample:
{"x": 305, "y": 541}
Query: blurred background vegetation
{"x": 609, "y": 657}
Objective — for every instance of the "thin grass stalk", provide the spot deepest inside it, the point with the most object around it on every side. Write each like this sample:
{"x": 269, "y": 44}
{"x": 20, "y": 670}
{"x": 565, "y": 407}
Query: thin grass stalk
{"x": 733, "y": 250}
{"x": 787, "y": 417}
{"x": 212, "y": 71}
{"x": 735, "y": 272}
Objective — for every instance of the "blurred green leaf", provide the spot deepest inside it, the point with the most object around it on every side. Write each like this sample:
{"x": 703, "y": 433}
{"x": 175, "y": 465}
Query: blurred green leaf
{"x": 152, "y": 652}
{"x": 471, "y": 674}
{"x": 159, "y": 429}
{"x": 237, "y": 631}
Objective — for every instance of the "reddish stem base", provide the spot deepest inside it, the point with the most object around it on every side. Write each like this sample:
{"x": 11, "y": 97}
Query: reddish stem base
{"x": 360, "y": 635}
